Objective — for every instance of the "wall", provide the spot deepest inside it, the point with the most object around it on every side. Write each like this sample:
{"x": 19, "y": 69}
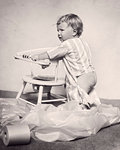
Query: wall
{"x": 29, "y": 24}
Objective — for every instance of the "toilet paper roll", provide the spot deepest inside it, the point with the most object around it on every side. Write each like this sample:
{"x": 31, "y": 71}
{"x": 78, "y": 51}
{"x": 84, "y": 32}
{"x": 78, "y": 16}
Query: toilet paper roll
{"x": 16, "y": 134}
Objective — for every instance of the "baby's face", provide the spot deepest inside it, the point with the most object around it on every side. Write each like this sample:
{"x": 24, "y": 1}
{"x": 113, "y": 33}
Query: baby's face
{"x": 64, "y": 31}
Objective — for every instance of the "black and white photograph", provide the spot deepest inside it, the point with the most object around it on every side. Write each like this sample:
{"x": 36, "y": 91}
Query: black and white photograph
{"x": 59, "y": 75}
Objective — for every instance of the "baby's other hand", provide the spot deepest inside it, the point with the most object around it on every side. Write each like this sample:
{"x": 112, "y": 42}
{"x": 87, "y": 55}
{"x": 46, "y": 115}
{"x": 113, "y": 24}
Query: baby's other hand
{"x": 44, "y": 66}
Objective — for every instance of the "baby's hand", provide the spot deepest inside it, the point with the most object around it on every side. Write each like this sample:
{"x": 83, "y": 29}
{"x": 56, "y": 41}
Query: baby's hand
{"x": 35, "y": 57}
{"x": 26, "y": 55}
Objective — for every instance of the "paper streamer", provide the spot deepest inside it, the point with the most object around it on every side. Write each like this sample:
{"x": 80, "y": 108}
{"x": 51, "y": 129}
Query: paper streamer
{"x": 16, "y": 134}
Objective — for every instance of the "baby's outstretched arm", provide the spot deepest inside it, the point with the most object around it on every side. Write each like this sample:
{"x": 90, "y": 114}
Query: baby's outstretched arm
{"x": 37, "y": 57}
{"x": 41, "y": 56}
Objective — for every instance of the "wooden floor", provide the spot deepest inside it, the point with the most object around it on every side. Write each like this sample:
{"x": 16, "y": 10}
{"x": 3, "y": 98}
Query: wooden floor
{"x": 106, "y": 139}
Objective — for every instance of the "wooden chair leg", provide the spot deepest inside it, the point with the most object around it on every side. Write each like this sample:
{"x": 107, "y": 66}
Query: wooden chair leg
{"x": 48, "y": 95}
{"x": 21, "y": 90}
{"x": 40, "y": 95}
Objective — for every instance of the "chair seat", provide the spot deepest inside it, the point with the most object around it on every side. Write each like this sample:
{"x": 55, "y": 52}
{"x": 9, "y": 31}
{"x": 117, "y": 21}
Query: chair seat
{"x": 42, "y": 85}
{"x": 29, "y": 79}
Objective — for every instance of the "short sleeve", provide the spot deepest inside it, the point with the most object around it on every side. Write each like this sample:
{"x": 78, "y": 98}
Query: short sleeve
{"x": 58, "y": 52}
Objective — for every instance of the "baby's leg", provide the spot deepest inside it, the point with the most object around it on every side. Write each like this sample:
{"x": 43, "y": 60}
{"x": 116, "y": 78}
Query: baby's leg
{"x": 87, "y": 81}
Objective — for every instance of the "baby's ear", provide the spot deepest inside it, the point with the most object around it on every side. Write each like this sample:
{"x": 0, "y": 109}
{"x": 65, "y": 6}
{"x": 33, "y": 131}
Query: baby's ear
{"x": 74, "y": 32}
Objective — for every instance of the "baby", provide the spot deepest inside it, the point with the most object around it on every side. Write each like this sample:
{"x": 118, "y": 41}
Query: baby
{"x": 76, "y": 56}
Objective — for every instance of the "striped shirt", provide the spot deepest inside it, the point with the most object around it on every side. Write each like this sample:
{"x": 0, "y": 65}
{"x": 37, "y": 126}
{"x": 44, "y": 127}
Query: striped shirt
{"x": 76, "y": 55}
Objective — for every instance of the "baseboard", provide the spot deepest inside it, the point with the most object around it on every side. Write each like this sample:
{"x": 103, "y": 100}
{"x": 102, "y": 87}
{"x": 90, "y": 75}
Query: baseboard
{"x": 13, "y": 94}
{"x": 8, "y": 94}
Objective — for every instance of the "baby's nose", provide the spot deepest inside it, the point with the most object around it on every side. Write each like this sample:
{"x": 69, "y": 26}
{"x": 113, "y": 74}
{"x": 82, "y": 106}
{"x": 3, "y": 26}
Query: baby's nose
{"x": 59, "y": 32}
